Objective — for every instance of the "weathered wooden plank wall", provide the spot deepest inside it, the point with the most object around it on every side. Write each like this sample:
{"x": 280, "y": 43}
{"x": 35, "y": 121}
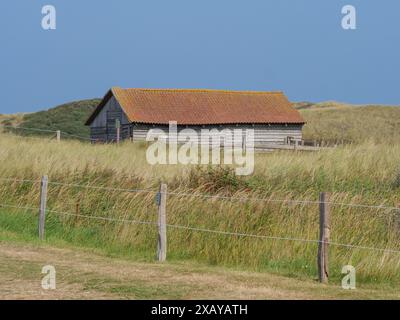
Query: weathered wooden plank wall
{"x": 263, "y": 134}
{"x": 103, "y": 126}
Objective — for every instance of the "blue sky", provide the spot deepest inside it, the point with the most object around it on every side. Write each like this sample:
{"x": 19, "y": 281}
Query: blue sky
{"x": 297, "y": 46}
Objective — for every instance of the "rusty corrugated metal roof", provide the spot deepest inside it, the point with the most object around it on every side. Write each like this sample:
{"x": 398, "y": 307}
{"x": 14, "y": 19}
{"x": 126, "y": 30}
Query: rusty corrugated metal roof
{"x": 199, "y": 106}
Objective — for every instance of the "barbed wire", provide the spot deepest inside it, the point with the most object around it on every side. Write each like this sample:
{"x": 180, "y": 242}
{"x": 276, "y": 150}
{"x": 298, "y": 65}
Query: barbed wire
{"x": 206, "y": 196}
{"x": 282, "y": 238}
{"x": 102, "y": 188}
{"x": 38, "y": 138}
{"x": 238, "y": 234}
{"x": 31, "y": 129}
{"x": 47, "y": 131}
{"x": 77, "y": 136}
{"x": 19, "y": 180}
{"x": 101, "y": 218}
{"x": 17, "y": 207}
{"x": 80, "y": 185}
{"x": 290, "y": 201}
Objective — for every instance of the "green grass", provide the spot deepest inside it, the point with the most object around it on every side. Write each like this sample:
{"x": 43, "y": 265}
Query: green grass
{"x": 23, "y": 226}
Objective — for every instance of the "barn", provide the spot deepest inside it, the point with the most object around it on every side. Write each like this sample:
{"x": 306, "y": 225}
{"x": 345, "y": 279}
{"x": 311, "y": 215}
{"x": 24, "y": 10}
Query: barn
{"x": 136, "y": 111}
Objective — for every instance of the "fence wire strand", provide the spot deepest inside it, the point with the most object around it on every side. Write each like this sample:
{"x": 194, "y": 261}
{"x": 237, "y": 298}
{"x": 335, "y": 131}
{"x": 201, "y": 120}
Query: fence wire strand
{"x": 3, "y": 205}
{"x": 229, "y": 233}
{"x": 290, "y": 201}
{"x": 48, "y": 131}
{"x": 79, "y": 185}
{"x": 19, "y": 180}
{"x": 102, "y": 188}
{"x": 206, "y": 196}
{"x": 29, "y": 129}
{"x": 101, "y": 218}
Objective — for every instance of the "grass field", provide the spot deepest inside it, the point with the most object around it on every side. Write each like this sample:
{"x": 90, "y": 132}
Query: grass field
{"x": 68, "y": 118}
{"x": 365, "y": 174}
{"x": 365, "y": 170}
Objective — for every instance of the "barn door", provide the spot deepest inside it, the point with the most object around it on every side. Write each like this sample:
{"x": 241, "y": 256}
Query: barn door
{"x": 112, "y": 116}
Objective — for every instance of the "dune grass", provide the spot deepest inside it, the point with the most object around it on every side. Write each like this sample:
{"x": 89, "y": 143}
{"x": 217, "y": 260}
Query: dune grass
{"x": 340, "y": 123}
{"x": 368, "y": 173}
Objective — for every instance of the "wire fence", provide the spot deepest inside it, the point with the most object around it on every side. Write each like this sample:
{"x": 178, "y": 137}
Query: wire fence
{"x": 195, "y": 226}
{"x": 54, "y": 132}
{"x": 379, "y": 208}
{"x": 227, "y": 233}
{"x": 188, "y": 195}
{"x": 206, "y": 196}
{"x": 288, "y": 201}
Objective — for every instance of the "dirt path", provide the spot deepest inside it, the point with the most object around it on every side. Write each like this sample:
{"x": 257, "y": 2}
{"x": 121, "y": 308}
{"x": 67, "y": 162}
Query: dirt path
{"x": 85, "y": 275}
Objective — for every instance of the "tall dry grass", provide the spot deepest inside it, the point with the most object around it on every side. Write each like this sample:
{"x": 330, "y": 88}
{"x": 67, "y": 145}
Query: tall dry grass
{"x": 338, "y": 123}
{"x": 368, "y": 173}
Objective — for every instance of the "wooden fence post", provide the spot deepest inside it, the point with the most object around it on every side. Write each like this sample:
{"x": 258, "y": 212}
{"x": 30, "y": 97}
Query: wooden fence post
{"x": 42, "y": 209}
{"x": 58, "y": 135}
{"x": 324, "y": 237}
{"x": 118, "y": 128}
{"x": 162, "y": 223}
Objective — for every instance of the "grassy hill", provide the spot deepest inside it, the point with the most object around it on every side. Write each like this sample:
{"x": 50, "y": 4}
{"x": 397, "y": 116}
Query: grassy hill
{"x": 335, "y": 122}
{"x": 68, "y": 118}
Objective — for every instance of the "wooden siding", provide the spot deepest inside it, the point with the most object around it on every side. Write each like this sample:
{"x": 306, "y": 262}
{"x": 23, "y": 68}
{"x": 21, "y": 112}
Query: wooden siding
{"x": 263, "y": 134}
{"x": 103, "y": 126}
